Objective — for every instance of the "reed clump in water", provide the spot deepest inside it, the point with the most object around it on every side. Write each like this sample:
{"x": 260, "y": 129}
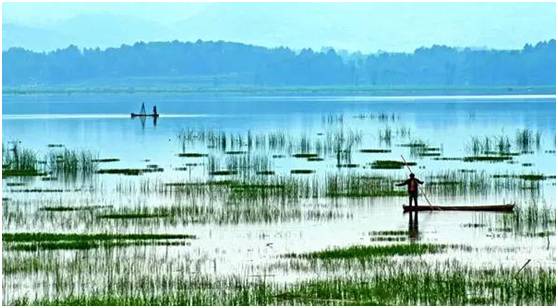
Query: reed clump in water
{"x": 360, "y": 252}
{"x": 360, "y": 186}
{"x": 18, "y": 161}
{"x": 501, "y": 145}
{"x": 71, "y": 162}
{"x": 532, "y": 220}
{"x": 390, "y": 164}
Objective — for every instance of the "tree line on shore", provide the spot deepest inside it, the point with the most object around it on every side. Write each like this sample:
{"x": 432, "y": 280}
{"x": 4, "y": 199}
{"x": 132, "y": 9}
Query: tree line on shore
{"x": 219, "y": 63}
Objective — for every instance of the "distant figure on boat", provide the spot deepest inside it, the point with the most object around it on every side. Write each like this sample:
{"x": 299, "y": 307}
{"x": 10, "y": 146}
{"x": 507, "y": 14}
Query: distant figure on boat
{"x": 143, "y": 114}
{"x": 412, "y": 188}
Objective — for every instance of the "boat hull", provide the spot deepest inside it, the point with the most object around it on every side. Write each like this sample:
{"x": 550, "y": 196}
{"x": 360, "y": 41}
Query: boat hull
{"x": 136, "y": 115}
{"x": 473, "y": 208}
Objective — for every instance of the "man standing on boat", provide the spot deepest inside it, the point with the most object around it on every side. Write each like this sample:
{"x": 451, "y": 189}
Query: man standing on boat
{"x": 412, "y": 188}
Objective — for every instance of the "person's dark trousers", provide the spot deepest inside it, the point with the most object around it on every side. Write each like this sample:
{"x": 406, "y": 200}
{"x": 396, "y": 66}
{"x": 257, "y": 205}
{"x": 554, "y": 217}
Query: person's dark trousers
{"x": 413, "y": 196}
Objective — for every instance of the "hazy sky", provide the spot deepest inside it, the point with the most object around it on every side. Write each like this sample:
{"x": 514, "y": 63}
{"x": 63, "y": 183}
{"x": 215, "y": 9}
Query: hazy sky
{"x": 367, "y": 27}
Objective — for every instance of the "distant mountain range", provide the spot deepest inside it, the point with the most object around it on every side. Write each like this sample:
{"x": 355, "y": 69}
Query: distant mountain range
{"x": 219, "y": 63}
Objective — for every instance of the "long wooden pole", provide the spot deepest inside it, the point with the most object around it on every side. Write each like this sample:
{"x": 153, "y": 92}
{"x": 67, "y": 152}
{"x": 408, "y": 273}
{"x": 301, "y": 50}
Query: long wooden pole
{"x": 411, "y": 171}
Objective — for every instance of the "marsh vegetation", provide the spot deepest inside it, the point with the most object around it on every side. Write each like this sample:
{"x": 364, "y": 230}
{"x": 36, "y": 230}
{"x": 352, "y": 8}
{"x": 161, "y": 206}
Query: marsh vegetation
{"x": 281, "y": 216}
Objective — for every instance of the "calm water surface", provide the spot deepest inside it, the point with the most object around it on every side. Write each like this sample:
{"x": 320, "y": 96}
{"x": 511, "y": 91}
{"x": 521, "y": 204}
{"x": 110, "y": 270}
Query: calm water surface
{"x": 101, "y": 124}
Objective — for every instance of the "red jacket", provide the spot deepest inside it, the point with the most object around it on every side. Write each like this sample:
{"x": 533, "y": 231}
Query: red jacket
{"x": 412, "y": 184}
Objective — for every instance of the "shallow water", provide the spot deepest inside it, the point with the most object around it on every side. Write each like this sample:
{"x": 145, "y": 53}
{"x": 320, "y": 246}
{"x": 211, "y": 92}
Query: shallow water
{"x": 101, "y": 124}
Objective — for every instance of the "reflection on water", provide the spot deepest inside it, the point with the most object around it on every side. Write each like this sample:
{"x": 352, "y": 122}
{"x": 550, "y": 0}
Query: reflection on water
{"x": 413, "y": 226}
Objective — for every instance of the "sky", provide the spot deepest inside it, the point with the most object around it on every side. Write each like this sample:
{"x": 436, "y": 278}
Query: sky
{"x": 365, "y": 27}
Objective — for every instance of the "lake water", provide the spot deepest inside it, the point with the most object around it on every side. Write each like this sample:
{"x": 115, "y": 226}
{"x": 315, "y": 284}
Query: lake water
{"x": 247, "y": 235}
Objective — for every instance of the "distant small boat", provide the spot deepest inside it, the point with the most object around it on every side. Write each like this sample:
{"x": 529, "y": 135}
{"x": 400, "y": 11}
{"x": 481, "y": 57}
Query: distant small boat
{"x": 142, "y": 113}
{"x": 474, "y": 208}
{"x": 154, "y": 115}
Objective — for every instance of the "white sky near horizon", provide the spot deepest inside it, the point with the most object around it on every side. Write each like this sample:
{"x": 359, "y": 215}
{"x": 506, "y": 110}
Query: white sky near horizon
{"x": 366, "y": 27}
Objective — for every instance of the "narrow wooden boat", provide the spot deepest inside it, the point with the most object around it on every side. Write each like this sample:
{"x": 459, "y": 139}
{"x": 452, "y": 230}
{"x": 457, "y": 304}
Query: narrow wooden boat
{"x": 153, "y": 115}
{"x": 143, "y": 114}
{"x": 474, "y": 208}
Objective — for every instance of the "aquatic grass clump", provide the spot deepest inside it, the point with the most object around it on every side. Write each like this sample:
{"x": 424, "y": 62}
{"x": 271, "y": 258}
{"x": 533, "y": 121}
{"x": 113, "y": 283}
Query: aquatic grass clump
{"x": 131, "y": 171}
{"x": 193, "y": 155}
{"x": 348, "y": 165}
{"x": 355, "y": 186}
{"x": 384, "y": 135}
{"x": 375, "y": 150}
{"x": 223, "y": 172}
{"x": 55, "y": 237}
{"x": 496, "y": 145}
{"x": 529, "y": 220}
{"x": 365, "y": 252}
{"x": 388, "y": 232}
{"x": 438, "y": 284}
{"x": 420, "y": 148}
{"x": 305, "y": 155}
{"x": 18, "y": 161}
{"x": 488, "y": 158}
{"x": 132, "y": 215}
{"x": 525, "y": 177}
{"x": 15, "y": 265}
{"x": 390, "y": 164}
{"x": 53, "y": 241}
{"x": 73, "y": 208}
{"x": 128, "y": 171}
{"x": 457, "y": 285}
{"x": 302, "y": 171}
{"x": 526, "y": 139}
{"x": 106, "y": 160}
{"x": 388, "y": 238}
{"x": 69, "y": 163}
{"x": 15, "y": 173}
{"x": 451, "y": 183}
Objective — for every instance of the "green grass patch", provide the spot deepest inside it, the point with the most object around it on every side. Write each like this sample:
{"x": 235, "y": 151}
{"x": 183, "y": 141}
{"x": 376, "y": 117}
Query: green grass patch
{"x": 302, "y": 171}
{"x": 305, "y": 155}
{"x": 73, "y": 208}
{"x": 192, "y": 155}
{"x": 55, "y": 237}
{"x": 223, "y": 172}
{"x": 55, "y": 241}
{"x": 390, "y": 164}
{"x": 488, "y": 158}
{"x": 388, "y": 232}
{"x": 375, "y": 151}
{"x": 235, "y": 152}
{"x": 127, "y": 171}
{"x": 105, "y": 160}
{"x": 13, "y": 173}
{"x": 40, "y": 190}
{"x": 132, "y": 215}
{"x": 525, "y": 177}
{"x": 365, "y": 252}
{"x": 37, "y": 246}
{"x": 448, "y": 158}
